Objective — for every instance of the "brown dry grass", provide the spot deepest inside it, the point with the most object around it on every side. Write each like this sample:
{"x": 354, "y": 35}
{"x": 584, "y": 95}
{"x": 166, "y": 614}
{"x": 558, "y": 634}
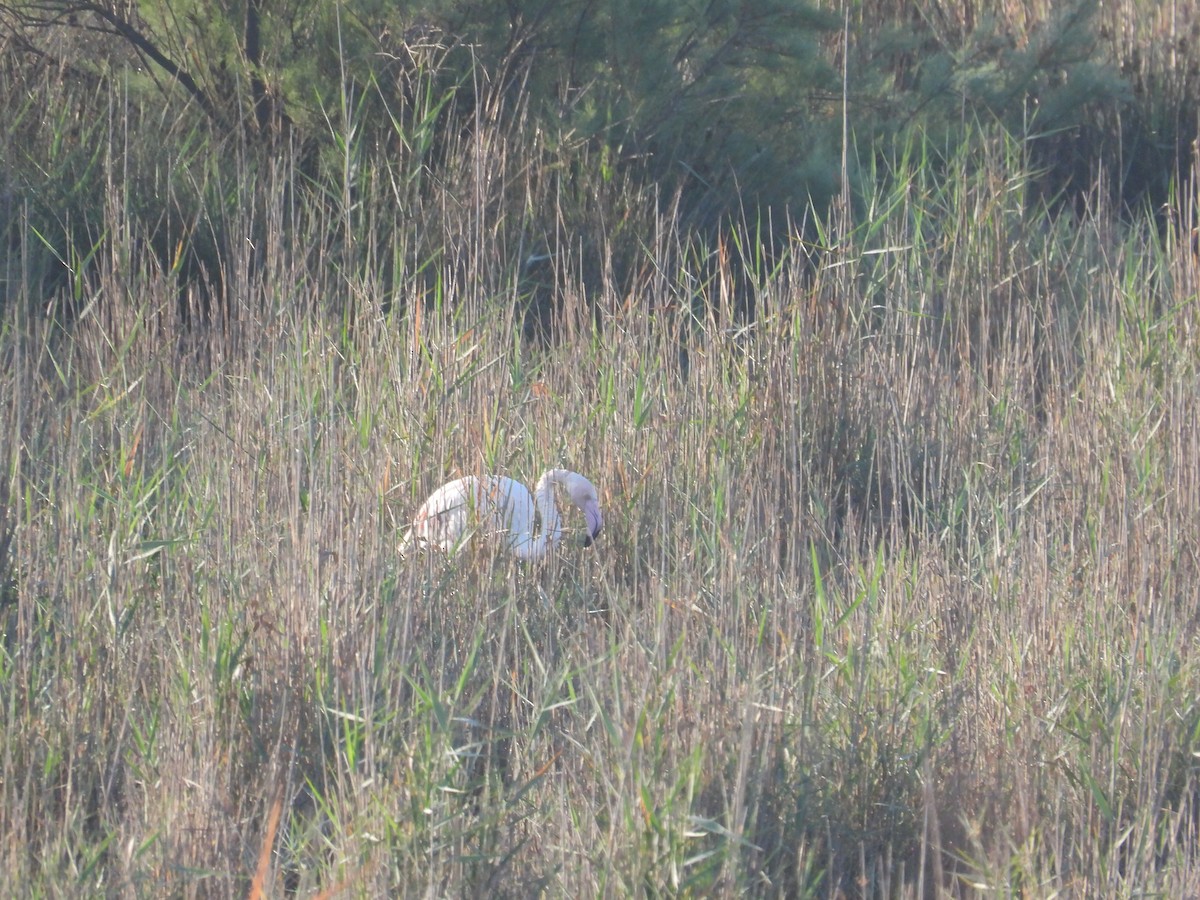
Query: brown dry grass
{"x": 898, "y": 585}
{"x": 897, "y": 594}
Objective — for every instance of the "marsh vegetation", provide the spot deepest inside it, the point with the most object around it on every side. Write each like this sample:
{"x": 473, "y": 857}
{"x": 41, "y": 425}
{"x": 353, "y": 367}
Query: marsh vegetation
{"x": 897, "y": 593}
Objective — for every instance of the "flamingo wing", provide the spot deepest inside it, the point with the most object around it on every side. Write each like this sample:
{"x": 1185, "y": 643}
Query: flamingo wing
{"x": 498, "y": 505}
{"x": 443, "y": 519}
{"x": 506, "y": 509}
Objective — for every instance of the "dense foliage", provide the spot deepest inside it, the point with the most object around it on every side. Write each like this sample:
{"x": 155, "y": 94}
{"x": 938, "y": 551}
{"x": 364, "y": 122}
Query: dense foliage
{"x": 728, "y": 112}
{"x": 875, "y": 323}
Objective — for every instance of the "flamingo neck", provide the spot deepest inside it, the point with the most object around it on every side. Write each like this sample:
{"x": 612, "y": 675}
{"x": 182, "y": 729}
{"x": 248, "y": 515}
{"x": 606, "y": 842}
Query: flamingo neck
{"x": 551, "y": 526}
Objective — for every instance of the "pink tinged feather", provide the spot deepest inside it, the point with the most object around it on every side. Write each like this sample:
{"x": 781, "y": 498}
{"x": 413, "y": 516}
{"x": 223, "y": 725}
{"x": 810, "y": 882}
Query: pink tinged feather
{"x": 595, "y": 521}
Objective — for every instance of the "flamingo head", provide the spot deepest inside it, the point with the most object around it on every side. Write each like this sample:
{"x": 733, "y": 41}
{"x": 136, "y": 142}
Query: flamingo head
{"x": 583, "y": 494}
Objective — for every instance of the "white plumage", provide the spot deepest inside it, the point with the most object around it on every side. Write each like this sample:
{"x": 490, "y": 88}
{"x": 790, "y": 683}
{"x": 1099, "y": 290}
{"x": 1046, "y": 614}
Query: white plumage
{"x": 502, "y": 509}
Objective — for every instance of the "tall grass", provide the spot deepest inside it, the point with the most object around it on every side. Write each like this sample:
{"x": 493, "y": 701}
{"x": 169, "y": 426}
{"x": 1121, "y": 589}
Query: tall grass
{"x": 897, "y": 593}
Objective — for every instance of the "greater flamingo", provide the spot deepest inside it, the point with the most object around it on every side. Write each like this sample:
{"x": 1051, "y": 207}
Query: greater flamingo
{"x": 502, "y": 507}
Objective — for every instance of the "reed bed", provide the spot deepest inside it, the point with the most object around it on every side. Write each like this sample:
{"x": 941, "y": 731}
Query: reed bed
{"x": 897, "y": 594}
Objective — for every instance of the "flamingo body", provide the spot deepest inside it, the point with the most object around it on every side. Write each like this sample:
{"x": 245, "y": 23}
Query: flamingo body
{"x": 502, "y": 509}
